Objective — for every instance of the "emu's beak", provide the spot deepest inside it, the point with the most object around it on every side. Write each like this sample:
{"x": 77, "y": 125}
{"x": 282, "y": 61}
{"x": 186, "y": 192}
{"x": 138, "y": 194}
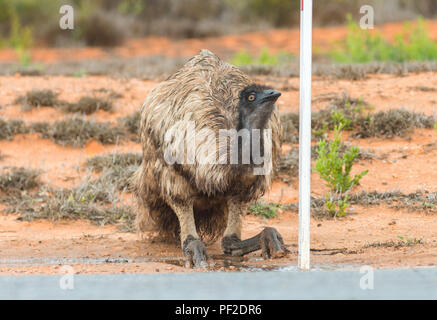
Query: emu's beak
{"x": 270, "y": 95}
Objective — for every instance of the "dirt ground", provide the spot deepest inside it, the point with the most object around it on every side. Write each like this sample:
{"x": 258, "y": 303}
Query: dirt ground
{"x": 370, "y": 235}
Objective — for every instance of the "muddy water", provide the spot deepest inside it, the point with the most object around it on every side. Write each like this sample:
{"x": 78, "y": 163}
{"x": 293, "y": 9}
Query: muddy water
{"x": 219, "y": 262}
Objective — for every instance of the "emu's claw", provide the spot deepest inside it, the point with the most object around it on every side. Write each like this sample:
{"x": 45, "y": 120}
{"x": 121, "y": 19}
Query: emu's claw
{"x": 272, "y": 244}
{"x": 195, "y": 253}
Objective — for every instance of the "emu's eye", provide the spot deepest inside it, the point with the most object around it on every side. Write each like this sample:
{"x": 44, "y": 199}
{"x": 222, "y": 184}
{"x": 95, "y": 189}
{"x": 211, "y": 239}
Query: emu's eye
{"x": 251, "y": 97}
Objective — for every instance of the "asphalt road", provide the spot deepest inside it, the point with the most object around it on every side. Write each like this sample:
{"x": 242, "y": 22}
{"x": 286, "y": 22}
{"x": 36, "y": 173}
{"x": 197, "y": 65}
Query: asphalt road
{"x": 418, "y": 283}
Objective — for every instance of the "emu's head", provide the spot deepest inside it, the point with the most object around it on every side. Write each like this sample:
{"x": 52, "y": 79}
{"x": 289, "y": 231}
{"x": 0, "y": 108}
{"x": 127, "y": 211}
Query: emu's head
{"x": 255, "y": 106}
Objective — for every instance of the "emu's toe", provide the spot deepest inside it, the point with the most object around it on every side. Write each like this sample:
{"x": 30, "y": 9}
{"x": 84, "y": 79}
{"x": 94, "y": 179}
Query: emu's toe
{"x": 272, "y": 244}
{"x": 195, "y": 253}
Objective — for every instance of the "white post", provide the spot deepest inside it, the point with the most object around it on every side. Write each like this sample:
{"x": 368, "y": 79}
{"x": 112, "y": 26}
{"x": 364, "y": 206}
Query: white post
{"x": 305, "y": 133}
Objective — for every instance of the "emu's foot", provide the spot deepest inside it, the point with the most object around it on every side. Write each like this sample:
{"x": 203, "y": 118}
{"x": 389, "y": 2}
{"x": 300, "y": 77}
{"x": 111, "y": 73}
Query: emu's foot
{"x": 231, "y": 245}
{"x": 272, "y": 244}
{"x": 269, "y": 241}
{"x": 195, "y": 253}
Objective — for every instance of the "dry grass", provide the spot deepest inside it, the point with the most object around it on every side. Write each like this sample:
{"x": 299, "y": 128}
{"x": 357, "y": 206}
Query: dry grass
{"x": 98, "y": 200}
{"x": 79, "y": 203}
{"x": 160, "y": 67}
{"x": 87, "y": 105}
{"x": 15, "y": 180}
{"x": 420, "y": 201}
{"x": 393, "y": 123}
{"x": 116, "y": 169}
{"x": 74, "y": 131}
{"x": 287, "y": 167}
{"x": 47, "y": 98}
{"x": 113, "y": 160}
{"x": 398, "y": 244}
{"x": 348, "y": 108}
{"x": 10, "y": 128}
{"x": 38, "y": 98}
{"x": 354, "y": 71}
{"x": 131, "y": 123}
{"x": 384, "y": 124}
{"x": 77, "y": 132}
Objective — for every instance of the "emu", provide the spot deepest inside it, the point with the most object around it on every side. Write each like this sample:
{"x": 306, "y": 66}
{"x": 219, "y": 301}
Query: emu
{"x": 196, "y": 201}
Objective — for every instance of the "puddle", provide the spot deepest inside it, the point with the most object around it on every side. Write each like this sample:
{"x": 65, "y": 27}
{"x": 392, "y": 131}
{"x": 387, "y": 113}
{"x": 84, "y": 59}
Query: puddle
{"x": 219, "y": 262}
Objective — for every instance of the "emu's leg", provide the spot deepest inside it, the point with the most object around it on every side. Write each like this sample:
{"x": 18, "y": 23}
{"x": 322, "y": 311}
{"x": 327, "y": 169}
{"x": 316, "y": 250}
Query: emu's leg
{"x": 193, "y": 248}
{"x": 269, "y": 240}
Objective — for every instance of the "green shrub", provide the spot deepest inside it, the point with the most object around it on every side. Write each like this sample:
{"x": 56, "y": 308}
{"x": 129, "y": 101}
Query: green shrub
{"x": 412, "y": 44}
{"x": 335, "y": 169}
{"x": 20, "y": 37}
{"x": 279, "y": 13}
{"x": 266, "y": 210}
{"x": 244, "y": 58}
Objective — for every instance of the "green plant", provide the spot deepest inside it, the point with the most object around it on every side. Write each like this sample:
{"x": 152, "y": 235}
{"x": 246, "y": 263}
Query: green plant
{"x": 135, "y": 7}
{"x": 277, "y": 12}
{"x": 412, "y": 44}
{"x": 410, "y": 241}
{"x": 336, "y": 171}
{"x": 81, "y": 73}
{"x": 244, "y": 58}
{"x": 267, "y": 210}
{"x": 337, "y": 207}
{"x": 20, "y": 37}
{"x": 339, "y": 118}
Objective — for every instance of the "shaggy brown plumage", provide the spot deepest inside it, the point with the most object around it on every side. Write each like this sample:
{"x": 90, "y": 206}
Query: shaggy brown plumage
{"x": 206, "y": 91}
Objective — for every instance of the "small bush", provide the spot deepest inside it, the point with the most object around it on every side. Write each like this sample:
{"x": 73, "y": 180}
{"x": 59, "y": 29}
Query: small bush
{"x": 19, "y": 179}
{"x": 85, "y": 202}
{"x": 392, "y": 123}
{"x": 413, "y": 44}
{"x": 243, "y": 58}
{"x": 335, "y": 170}
{"x": 288, "y": 163}
{"x": 20, "y": 37}
{"x": 97, "y": 200}
{"x": 266, "y": 210}
{"x": 117, "y": 169}
{"x": 342, "y": 109}
{"x": 354, "y": 114}
{"x": 99, "y": 163}
{"x": 87, "y": 105}
{"x": 290, "y": 127}
{"x": 9, "y": 128}
{"x": 37, "y": 98}
{"x": 131, "y": 123}
{"x": 76, "y": 132}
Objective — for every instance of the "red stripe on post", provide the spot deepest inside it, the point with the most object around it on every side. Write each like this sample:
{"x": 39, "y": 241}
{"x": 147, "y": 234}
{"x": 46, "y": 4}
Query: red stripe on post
{"x": 301, "y": 5}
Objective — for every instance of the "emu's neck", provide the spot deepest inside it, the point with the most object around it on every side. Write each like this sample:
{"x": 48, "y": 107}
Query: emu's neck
{"x": 248, "y": 137}
{"x": 252, "y": 121}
